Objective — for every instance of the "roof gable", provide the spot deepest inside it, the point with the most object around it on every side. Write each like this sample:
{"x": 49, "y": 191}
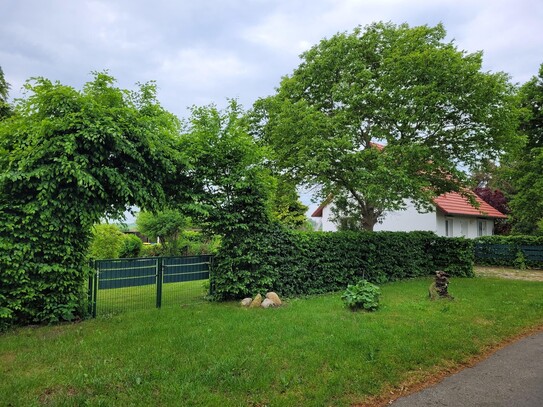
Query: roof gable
{"x": 453, "y": 203}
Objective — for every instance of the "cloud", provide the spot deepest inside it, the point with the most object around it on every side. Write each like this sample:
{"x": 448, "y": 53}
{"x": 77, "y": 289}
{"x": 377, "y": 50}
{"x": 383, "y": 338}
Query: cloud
{"x": 201, "y": 68}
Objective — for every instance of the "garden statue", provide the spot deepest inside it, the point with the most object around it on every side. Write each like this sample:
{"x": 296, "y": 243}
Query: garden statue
{"x": 439, "y": 288}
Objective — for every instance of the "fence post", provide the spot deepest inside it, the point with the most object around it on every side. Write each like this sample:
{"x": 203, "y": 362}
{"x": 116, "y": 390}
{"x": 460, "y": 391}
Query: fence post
{"x": 95, "y": 289}
{"x": 159, "y": 278}
{"x": 90, "y": 287}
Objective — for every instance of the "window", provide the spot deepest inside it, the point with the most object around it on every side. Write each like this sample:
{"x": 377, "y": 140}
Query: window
{"x": 481, "y": 227}
{"x": 464, "y": 227}
{"x": 448, "y": 227}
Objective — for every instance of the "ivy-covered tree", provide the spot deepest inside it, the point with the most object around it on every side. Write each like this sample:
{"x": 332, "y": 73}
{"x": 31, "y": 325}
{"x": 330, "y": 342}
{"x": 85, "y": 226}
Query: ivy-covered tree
{"x": 431, "y": 105}
{"x": 69, "y": 158}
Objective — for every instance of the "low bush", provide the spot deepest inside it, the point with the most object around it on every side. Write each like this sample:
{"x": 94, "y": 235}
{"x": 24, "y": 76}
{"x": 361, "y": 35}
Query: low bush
{"x": 363, "y": 295}
{"x": 131, "y": 246}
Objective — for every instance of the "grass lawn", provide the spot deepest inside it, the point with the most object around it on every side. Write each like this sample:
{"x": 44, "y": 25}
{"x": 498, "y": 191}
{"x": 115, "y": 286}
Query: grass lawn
{"x": 311, "y": 352}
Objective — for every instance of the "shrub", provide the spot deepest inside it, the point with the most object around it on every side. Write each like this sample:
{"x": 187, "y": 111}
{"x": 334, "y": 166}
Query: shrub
{"x": 363, "y": 295}
{"x": 130, "y": 246}
{"x": 151, "y": 250}
{"x": 106, "y": 243}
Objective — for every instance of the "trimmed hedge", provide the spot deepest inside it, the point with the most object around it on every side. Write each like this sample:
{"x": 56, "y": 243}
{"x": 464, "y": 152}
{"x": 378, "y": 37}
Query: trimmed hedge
{"x": 299, "y": 263}
{"x": 511, "y": 251}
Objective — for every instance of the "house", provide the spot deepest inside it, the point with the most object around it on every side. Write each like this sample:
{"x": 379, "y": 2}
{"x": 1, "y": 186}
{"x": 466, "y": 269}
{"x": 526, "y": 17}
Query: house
{"x": 453, "y": 216}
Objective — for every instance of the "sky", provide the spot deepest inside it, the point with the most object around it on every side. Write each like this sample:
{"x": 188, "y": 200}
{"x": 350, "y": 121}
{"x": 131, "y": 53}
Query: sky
{"x": 206, "y": 51}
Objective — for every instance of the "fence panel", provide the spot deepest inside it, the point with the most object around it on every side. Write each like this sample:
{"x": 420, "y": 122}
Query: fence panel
{"x": 492, "y": 254}
{"x": 122, "y": 284}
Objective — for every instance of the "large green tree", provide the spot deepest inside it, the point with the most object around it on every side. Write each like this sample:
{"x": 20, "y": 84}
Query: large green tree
{"x": 428, "y": 103}
{"x": 67, "y": 159}
{"x": 524, "y": 167}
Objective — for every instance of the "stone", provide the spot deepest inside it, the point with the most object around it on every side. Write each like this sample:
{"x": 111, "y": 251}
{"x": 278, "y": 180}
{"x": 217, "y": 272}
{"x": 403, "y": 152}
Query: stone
{"x": 256, "y": 301}
{"x": 274, "y": 297}
{"x": 267, "y": 303}
{"x": 246, "y": 302}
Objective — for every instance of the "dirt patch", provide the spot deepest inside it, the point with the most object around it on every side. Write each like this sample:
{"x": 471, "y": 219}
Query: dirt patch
{"x": 509, "y": 273}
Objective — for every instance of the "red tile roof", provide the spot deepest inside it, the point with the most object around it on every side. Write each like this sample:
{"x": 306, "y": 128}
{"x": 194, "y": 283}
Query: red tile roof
{"x": 453, "y": 203}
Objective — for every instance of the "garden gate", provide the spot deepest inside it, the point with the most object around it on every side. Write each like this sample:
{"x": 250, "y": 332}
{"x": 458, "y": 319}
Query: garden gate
{"x": 120, "y": 284}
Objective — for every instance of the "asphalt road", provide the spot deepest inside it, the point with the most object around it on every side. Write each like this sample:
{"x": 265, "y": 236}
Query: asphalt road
{"x": 511, "y": 377}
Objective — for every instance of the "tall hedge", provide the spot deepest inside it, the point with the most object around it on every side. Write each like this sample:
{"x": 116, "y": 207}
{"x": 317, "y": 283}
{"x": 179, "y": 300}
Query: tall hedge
{"x": 297, "y": 263}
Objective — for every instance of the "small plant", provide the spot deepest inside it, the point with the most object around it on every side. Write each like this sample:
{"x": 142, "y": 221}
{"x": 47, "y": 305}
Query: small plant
{"x": 520, "y": 261}
{"x": 363, "y": 295}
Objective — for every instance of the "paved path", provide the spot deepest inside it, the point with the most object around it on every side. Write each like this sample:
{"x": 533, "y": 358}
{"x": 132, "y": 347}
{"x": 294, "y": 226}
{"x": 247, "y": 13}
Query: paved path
{"x": 511, "y": 377}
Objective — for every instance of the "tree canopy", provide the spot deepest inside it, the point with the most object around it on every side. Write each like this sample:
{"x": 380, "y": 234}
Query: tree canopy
{"x": 429, "y": 104}
{"x": 69, "y": 158}
{"x": 523, "y": 168}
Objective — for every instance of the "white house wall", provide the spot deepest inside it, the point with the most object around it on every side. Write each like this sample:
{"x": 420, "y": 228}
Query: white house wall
{"x": 463, "y": 226}
{"x": 408, "y": 220}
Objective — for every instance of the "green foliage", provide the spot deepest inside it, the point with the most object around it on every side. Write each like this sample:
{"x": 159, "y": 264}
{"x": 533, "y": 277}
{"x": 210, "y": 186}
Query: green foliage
{"x": 298, "y": 263}
{"x": 167, "y": 225}
{"x": 106, "y": 243}
{"x": 522, "y": 167}
{"x": 520, "y": 261}
{"x": 286, "y": 205}
{"x": 431, "y": 104}
{"x": 363, "y": 295}
{"x": 131, "y": 246}
{"x": 152, "y": 250}
{"x": 231, "y": 171}
{"x": 69, "y": 158}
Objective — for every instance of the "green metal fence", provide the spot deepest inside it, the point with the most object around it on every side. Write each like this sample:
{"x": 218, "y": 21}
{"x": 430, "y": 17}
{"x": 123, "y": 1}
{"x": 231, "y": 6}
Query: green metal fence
{"x": 508, "y": 254}
{"x": 123, "y": 284}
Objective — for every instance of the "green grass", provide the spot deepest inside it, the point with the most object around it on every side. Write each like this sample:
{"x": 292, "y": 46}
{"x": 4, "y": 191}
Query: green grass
{"x": 311, "y": 352}
{"x": 144, "y": 297}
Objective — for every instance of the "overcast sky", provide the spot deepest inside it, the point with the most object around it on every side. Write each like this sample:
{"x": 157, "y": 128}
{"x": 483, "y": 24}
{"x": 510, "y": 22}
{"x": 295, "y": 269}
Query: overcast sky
{"x": 205, "y": 51}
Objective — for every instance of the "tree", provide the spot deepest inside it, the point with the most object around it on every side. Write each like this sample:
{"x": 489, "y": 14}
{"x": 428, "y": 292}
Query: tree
{"x": 167, "y": 225}
{"x": 5, "y": 109}
{"x": 523, "y": 166}
{"x": 429, "y": 104}
{"x": 68, "y": 159}
{"x": 286, "y": 205}
{"x": 233, "y": 177}
{"x": 498, "y": 200}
